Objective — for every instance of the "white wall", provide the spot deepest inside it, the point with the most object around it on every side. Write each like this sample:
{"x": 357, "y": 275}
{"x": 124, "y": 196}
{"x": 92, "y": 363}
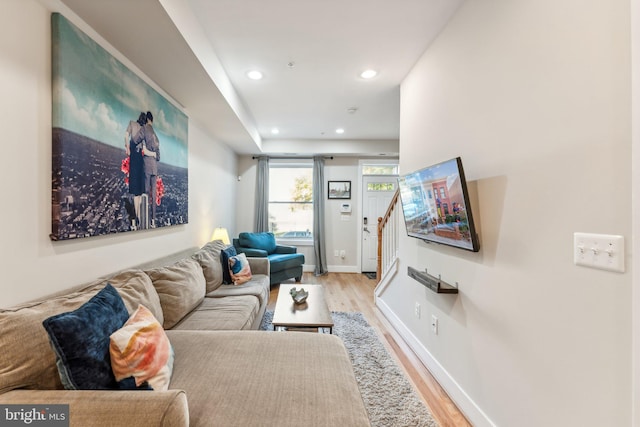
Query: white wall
{"x": 32, "y": 265}
{"x": 337, "y": 147}
{"x": 534, "y": 95}
{"x": 635, "y": 222}
{"x": 342, "y": 230}
{"x": 246, "y": 200}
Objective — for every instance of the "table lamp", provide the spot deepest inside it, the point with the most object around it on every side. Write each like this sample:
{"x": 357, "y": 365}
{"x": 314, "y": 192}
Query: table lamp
{"x": 221, "y": 233}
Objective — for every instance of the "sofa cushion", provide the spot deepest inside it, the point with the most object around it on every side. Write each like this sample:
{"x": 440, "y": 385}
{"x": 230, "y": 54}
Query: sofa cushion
{"x": 141, "y": 349}
{"x": 239, "y": 269}
{"x": 265, "y": 241}
{"x": 181, "y": 288}
{"x": 307, "y": 379}
{"x": 281, "y": 262}
{"x": 80, "y": 339}
{"x": 135, "y": 288}
{"x": 209, "y": 258}
{"x": 229, "y": 313}
{"x": 258, "y": 286}
{"x": 228, "y": 252}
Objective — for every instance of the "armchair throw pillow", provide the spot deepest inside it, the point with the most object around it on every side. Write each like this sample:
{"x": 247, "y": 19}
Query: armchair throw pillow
{"x": 225, "y": 255}
{"x": 239, "y": 269}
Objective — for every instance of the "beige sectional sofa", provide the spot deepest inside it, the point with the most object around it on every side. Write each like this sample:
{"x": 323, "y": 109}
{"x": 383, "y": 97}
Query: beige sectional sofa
{"x": 225, "y": 373}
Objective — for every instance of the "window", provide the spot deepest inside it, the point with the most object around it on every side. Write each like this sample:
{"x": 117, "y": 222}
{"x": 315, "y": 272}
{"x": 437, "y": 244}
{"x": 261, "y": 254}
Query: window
{"x": 381, "y": 186}
{"x": 291, "y": 200}
{"x": 380, "y": 169}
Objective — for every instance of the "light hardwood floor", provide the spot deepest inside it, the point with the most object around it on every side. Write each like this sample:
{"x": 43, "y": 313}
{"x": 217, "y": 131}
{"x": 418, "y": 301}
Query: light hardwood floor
{"x": 354, "y": 292}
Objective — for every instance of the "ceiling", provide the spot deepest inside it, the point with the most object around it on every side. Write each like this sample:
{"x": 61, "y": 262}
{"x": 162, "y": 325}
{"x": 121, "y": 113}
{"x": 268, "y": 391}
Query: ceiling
{"x": 311, "y": 54}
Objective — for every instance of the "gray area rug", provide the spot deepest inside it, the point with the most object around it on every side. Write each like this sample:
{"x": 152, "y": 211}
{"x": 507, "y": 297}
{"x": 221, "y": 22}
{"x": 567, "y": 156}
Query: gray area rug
{"x": 388, "y": 396}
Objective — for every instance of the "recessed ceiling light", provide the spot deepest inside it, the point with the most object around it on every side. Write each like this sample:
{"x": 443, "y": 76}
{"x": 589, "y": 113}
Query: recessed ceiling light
{"x": 275, "y": 131}
{"x": 368, "y": 74}
{"x": 254, "y": 75}
{"x": 340, "y": 130}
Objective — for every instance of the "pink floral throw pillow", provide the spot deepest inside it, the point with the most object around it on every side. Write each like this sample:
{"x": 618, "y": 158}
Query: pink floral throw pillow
{"x": 239, "y": 269}
{"x": 141, "y": 350}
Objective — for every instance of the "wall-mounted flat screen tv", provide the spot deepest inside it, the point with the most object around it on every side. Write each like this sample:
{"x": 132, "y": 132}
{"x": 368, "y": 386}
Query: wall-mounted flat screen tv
{"x": 436, "y": 207}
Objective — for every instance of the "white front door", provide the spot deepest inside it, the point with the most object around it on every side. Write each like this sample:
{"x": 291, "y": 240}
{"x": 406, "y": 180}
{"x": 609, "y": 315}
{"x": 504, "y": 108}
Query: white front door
{"x": 377, "y": 191}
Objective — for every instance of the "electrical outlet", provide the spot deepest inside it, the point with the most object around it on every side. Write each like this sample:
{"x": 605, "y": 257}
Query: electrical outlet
{"x": 343, "y": 254}
{"x": 434, "y": 324}
{"x": 417, "y": 310}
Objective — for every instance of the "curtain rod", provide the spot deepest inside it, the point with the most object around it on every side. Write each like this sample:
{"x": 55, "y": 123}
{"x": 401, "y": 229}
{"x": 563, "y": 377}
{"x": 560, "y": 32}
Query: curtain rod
{"x": 291, "y": 157}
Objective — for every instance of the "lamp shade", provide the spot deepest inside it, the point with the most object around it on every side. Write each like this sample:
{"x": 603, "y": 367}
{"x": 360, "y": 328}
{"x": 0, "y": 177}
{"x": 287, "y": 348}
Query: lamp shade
{"x": 221, "y": 234}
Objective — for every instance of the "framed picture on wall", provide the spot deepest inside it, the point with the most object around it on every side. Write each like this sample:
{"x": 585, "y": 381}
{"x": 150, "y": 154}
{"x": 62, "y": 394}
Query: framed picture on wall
{"x": 119, "y": 147}
{"x": 339, "y": 190}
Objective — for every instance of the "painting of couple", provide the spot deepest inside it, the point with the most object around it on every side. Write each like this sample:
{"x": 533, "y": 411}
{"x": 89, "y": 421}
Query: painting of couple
{"x": 96, "y": 101}
{"x": 142, "y": 148}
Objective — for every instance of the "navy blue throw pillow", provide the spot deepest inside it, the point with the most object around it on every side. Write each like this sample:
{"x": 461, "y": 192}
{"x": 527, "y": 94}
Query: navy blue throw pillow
{"x": 225, "y": 254}
{"x": 80, "y": 339}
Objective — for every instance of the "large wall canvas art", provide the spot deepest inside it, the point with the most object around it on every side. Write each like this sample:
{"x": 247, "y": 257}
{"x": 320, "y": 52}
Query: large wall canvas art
{"x": 119, "y": 148}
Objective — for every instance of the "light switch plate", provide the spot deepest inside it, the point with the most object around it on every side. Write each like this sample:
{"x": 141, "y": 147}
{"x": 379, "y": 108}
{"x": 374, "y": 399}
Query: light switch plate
{"x": 603, "y": 251}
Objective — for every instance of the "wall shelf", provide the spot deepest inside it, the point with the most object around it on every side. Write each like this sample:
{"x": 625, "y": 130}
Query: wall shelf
{"x": 431, "y": 282}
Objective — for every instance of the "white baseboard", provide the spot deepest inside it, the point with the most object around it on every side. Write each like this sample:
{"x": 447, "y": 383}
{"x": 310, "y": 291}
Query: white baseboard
{"x": 343, "y": 268}
{"x": 386, "y": 278}
{"x": 333, "y": 268}
{"x": 467, "y": 406}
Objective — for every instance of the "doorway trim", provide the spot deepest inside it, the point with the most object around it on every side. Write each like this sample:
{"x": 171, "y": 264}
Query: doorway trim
{"x": 361, "y": 163}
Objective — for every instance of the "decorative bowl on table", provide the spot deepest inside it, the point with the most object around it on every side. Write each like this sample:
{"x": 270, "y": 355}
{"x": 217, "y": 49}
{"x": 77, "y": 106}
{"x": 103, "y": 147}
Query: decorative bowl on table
{"x": 299, "y": 295}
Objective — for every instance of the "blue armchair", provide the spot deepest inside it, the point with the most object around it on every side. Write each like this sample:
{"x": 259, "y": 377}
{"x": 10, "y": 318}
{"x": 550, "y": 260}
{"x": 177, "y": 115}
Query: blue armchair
{"x": 285, "y": 262}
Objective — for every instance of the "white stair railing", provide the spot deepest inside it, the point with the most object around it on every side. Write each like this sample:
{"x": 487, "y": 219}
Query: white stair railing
{"x": 388, "y": 235}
